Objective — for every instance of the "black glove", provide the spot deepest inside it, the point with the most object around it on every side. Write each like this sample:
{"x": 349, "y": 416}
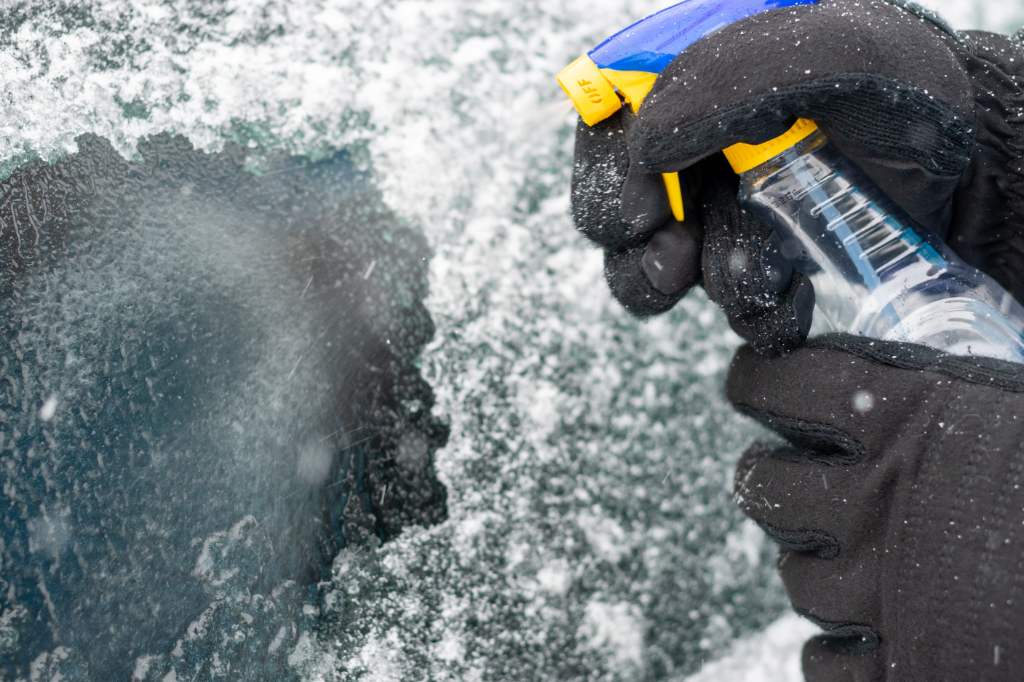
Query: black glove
{"x": 898, "y": 502}
{"x": 935, "y": 118}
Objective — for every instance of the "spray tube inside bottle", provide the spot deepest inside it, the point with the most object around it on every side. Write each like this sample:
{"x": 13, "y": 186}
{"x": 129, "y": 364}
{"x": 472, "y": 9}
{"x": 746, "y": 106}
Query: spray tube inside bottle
{"x": 875, "y": 272}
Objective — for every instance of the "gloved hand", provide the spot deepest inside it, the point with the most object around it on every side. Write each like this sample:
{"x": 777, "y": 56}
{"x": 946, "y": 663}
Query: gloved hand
{"x": 932, "y": 116}
{"x": 898, "y": 503}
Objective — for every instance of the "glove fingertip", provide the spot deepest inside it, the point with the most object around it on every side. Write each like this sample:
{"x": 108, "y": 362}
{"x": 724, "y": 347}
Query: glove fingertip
{"x": 783, "y": 327}
{"x": 757, "y": 453}
{"x": 630, "y": 285}
{"x": 671, "y": 260}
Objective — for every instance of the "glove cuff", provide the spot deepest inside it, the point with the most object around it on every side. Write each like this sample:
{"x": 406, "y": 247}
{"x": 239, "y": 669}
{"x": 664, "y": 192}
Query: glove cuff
{"x": 988, "y": 226}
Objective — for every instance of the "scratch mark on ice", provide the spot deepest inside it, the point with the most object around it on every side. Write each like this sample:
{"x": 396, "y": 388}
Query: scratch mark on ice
{"x": 295, "y": 368}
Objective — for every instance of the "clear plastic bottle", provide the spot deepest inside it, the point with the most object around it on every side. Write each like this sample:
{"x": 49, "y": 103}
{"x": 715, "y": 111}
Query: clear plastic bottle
{"x": 875, "y": 272}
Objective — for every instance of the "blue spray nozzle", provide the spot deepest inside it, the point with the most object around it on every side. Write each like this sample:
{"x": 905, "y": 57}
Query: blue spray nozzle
{"x": 651, "y": 44}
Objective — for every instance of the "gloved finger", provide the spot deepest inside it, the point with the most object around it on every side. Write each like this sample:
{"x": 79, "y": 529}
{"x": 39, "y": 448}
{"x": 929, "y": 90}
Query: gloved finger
{"x": 825, "y": 518}
{"x": 803, "y": 504}
{"x": 782, "y": 326}
{"x": 833, "y": 402}
{"x": 651, "y": 279}
{"x": 614, "y": 204}
{"x": 837, "y": 656}
{"x": 841, "y": 596}
{"x": 745, "y": 272}
{"x": 883, "y": 84}
{"x": 744, "y": 269}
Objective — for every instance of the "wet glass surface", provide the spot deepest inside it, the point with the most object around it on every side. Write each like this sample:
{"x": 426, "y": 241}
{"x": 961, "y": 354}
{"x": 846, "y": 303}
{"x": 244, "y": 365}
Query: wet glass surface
{"x": 208, "y": 388}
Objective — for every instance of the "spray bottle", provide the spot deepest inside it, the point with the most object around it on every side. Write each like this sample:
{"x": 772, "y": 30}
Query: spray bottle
{"x": 875, "y": 272}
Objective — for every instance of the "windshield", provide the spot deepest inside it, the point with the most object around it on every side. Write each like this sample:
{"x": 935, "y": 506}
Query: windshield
{"x": 305, "y": 375}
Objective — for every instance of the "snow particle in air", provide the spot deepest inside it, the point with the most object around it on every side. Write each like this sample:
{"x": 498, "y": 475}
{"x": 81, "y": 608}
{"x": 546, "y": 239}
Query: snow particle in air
{"x": 863, "y": 401}
{"x": 49, "y": 534}
{"x": 314, "y": 462}
{"x": 49, "y": 408}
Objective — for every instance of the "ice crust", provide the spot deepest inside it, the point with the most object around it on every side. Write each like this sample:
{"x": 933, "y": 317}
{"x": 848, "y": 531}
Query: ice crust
{"x": 590, "y": 534}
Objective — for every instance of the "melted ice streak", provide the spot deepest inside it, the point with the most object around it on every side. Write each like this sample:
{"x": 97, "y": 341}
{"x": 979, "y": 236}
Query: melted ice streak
{"x": 575, "y": 429}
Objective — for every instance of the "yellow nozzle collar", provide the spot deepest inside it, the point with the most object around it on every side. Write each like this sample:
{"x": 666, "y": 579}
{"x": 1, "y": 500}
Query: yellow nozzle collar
{"x": 744, "y": 157}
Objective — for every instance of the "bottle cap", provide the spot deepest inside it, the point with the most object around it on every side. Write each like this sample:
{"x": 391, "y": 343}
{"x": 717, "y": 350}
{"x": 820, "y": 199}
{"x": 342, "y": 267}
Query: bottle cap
{"x": 743, "y": 157}
{"x": 593, "y": 95}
